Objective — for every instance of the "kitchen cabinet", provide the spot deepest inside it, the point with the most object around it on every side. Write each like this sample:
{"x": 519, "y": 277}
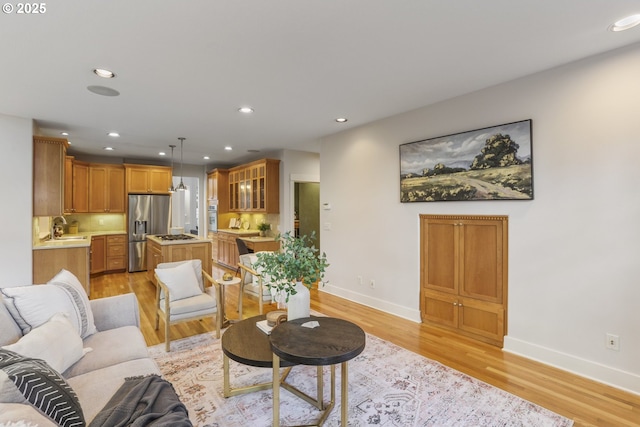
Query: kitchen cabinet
{"x": 218, "y": 189}
{"x": 142, "y": 179}
{"x": 49, "y": 156}
{"x": 463, "y": 265}
{"x": 255, "y": 187}
{"x": 181, "y": 251}
{"x": 76, "y": 186}
{"x": 116, "y": 252}
{"x": 98, "y": 254}
{"x": 108, "y": 253}
{"x": 106, "y": 188}
{"x": 48, "y": 262}
{"x": 227, "y": 248}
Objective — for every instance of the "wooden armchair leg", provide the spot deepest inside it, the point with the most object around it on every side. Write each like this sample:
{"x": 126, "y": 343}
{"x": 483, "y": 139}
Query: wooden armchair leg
{"x": 218, "y": 321}
{"x": 167, "y": 336}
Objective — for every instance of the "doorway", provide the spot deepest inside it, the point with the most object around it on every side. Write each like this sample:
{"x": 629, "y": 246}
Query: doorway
{"x": 307, "y": 209}
{"x": 185, "y": 206}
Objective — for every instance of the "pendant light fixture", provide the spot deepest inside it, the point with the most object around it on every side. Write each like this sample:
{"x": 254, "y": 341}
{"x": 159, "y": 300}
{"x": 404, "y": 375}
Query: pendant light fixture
{"x": 181, "y": 186}
{"x": 172, "y": 189}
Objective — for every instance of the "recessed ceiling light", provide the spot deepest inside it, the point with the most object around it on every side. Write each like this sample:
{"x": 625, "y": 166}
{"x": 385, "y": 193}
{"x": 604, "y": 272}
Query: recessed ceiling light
{"x": 114, "y": 134}
{"x": 245, "y": 110}
{"x": 625, "y": 23}
{"x": 206, "y": 157}
{"x": 162, "y": 153}
{"x": 108, "y": 148}
{"x": 64, "y": 133}
{"x": 341, "y": 119}
{"x": 103, "y": 90}
{"x": 105, "y": 74}
{"x": 228, "y": 148}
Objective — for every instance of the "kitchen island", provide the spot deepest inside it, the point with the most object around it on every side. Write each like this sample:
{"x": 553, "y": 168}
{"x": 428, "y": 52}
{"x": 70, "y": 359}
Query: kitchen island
{"x": 160, "y": 249}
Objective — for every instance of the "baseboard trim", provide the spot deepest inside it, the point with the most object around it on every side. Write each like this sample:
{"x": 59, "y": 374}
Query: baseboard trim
{"x": 585, "y": 368}
{"x": 378, "y": 304}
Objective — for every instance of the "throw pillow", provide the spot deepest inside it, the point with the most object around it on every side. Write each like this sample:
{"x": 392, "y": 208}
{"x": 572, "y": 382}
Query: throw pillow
{"x": 32, "y": 306}
{"x": 56, "y": 342}
{"x": 181, "y": 281}
{"x": 42, "y": 387}
{"x": 70, "y": 283}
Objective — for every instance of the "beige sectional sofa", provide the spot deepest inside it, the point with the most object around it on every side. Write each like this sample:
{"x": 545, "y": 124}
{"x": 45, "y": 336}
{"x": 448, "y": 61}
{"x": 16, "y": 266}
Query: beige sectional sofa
{"x": 112, "y": 347}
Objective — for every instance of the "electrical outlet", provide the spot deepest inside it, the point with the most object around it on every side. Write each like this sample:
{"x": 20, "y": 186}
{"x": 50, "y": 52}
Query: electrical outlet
{"x": 101, "y": 222}
{"x": 360, "y": 280}
{"x": 613, "y": 342}
{"x": 372, "y": 284}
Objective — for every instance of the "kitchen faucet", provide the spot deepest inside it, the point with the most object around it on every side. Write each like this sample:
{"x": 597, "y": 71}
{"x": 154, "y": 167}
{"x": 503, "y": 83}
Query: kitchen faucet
{"x": 55, "y": 221}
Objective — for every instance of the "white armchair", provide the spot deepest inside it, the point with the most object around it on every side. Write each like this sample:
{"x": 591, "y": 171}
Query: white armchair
{"x": 181, "y": 295}
{"x": 252, "y": 283}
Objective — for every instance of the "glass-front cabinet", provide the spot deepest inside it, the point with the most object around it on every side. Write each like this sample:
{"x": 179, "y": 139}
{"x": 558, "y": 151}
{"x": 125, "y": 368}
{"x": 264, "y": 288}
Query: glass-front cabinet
{"x": 254, "y": 187}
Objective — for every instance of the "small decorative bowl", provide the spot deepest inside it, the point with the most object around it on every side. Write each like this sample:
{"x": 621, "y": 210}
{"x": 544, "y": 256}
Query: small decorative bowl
{"x": 276, "y": 317}
{"x": 227, "y": 276}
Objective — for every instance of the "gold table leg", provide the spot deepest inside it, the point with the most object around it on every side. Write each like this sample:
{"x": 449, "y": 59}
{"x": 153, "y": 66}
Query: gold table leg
{"x": 276, "y": 390}
{"x": 344, "y": 388}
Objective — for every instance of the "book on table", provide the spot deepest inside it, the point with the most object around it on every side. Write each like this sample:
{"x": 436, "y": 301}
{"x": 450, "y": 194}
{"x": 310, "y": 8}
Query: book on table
{"x": 264, "y": 327}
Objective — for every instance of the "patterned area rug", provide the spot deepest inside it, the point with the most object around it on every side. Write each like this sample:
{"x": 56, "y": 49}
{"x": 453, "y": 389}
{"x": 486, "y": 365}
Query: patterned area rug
{"x": 388, "y": 386}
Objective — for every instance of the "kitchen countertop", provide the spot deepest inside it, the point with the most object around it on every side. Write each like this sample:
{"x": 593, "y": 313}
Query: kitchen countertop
{"x": 239, "y": 232}
{"x": 196, "y": 239}
{"x": 259, "y": 239}
{"x": 58, "y": 244}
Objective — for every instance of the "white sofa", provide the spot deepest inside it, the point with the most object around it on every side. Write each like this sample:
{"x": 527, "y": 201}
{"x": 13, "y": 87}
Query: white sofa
{"x": 117, "y": 347}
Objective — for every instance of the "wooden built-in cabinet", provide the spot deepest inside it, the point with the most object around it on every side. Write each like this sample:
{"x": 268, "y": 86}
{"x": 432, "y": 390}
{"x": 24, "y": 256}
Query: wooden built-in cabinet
{"x": 76, "y": 186}
{"x": 98, "y": 254}
{"x": 463, "y": 274}
{"x": 48, "y": 262}
{"x": 49, "y": 155}
{"x": 143, "y": 179}
{"x": 106, "y": 188}
{"x": 218, "y": 189}
{"x": 116, "y": 252}
{"x": 255, "y": 187}
{"x": 227, "y": 250}
{"x": 108, "y": 253}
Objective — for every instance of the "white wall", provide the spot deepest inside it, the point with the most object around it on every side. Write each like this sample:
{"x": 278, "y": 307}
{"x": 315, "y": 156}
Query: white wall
{"x": 17, "y": 211}
{"x": 573, "y": 251}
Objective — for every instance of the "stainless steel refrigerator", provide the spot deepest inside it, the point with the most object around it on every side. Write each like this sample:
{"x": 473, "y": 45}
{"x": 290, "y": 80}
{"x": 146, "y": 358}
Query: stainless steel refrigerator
{"x": 147, "y": 215}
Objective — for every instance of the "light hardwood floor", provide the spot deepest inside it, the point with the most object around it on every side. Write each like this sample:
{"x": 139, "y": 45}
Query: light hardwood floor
{"x": 586, "y": 402}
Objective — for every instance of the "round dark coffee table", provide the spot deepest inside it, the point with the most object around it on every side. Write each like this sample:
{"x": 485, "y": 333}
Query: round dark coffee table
{"x": 244, "y": 343}
{"x": 333, "y": 341}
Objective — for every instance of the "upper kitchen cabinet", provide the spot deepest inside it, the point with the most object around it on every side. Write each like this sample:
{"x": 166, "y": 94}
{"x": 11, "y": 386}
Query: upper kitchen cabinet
{"x": 48, "y": 175}
{"x": 142, "y": 179}
{"x": 255, "y": 187}
{"x": 76, "y": 186}
{"x": 218, "y": 189}
{"x": 106, "y": 188}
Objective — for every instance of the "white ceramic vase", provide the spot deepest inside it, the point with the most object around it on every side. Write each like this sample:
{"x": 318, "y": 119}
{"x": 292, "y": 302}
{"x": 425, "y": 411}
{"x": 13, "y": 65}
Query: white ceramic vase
{"x": 299, "y": 305}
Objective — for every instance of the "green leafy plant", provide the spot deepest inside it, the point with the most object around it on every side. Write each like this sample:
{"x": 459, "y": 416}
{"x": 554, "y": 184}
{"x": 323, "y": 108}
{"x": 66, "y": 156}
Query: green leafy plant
{"x": 297, "y": 261}
{"x": 263, "y": 226}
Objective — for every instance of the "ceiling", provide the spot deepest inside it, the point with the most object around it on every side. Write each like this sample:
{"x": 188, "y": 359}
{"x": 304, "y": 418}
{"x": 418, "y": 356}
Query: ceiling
{"x": 184, "y": 68}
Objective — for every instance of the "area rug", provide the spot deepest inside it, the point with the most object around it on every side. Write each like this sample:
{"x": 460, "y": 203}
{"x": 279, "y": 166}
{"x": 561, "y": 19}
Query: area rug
{"x": 388, "y": 386}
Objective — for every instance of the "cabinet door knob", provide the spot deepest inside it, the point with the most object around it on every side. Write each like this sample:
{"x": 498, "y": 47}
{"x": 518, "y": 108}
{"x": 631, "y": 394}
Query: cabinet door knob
{"x": 455, "y": 303}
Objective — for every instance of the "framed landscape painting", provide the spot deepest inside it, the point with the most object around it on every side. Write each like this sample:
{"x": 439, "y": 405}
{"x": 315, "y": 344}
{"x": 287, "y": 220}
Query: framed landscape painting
{"x": 493, "y": 163}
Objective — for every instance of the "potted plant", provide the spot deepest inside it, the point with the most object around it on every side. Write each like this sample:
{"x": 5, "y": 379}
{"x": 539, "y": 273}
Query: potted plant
{"x": 264, "y": 227}
{"x": 293, "y": 270}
